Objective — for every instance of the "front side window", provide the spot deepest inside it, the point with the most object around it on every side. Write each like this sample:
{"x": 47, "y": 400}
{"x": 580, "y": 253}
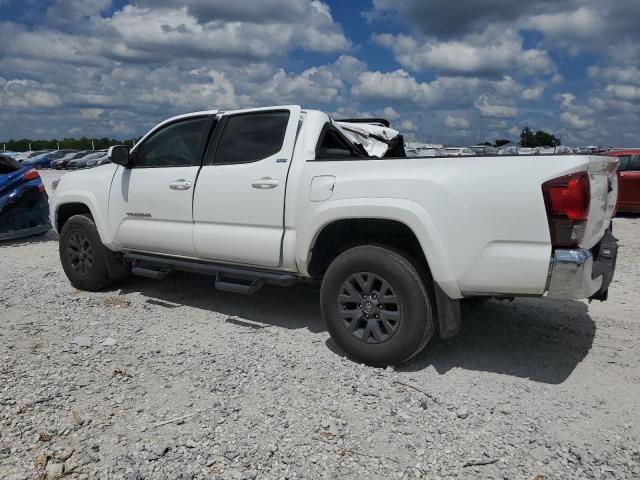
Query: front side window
{"x": 634, "y": 163}
{"x": 250, "y": 137}
{"x": 177, "y": 145}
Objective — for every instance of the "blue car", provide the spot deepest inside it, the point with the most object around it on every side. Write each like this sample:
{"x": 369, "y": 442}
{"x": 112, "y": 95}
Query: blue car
{"x": 24, "y": 204}
{"x": 44, "y": 160}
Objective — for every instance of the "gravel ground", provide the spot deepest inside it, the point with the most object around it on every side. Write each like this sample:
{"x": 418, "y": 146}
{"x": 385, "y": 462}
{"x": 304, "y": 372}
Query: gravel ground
{"x": 174, "y": 380}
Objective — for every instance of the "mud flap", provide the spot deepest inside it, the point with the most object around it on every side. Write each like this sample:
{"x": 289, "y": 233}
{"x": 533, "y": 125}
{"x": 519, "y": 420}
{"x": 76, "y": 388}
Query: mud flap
{"x": 115, "y": 265}
{"x": 604, "y": 263}
{"x": 449, "y": 317}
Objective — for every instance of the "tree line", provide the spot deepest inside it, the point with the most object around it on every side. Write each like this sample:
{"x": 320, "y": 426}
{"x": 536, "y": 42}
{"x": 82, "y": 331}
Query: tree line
{"x": 83, "y": 143}
{"x": 527, "y": 139}
{"x": 530, "y": 139}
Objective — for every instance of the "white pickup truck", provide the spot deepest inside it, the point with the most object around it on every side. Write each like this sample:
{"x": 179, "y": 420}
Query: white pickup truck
{"x": 281, "y": 195}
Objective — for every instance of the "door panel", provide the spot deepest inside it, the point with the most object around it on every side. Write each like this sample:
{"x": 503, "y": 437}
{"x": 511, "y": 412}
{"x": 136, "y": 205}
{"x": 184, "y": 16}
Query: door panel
{"x": 238, "y": 207}
{"x": 629, "y": 185}
{"x": 153, "y": 216}
{"x": 151, "y": 204}
{"x": 629, "y": 182}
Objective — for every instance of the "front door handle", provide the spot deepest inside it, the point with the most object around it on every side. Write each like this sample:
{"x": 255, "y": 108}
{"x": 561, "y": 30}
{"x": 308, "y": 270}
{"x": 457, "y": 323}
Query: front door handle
{"x": 264, "y": 183}
{"x": 180, "y": 184}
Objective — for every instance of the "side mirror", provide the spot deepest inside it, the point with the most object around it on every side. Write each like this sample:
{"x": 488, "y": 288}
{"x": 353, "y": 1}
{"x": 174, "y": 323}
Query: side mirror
{"x": 119, "y": 154}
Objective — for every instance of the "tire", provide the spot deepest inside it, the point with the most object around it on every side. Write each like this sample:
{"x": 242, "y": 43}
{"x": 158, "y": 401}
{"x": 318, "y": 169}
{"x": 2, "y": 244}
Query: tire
{"x": 405, "y": 319}
{"x": 82, "y": 254}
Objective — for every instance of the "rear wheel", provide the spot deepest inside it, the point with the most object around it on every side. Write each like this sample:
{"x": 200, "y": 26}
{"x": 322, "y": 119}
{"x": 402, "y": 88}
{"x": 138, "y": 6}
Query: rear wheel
{"x": 376, "y": 306}
{"x": 82, "y": 254}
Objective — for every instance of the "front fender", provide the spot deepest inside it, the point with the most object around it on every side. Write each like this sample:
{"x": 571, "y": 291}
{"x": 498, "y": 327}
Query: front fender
{"x": 407, "y": 212}
{"x": 90, "y": 188}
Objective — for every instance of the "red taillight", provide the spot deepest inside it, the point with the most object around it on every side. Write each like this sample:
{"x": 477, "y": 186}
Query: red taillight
{"x": 567, "y": 200}
{"x": 31, "y": 174}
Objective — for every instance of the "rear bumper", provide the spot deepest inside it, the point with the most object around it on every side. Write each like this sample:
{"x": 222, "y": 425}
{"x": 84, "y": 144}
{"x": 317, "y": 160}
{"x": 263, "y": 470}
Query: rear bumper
{"x": 27, "y": 213}
{"x": 580, "y": 273}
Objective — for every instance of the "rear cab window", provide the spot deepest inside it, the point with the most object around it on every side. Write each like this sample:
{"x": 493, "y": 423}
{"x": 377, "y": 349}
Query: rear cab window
{"x": 333, "y": 145}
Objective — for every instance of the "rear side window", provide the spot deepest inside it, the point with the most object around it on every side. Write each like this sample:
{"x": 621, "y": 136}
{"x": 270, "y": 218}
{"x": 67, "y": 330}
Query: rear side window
{"x": 250, "y": 137}
{"x": 177, "y": 145}
{"x": 634, "y": 163}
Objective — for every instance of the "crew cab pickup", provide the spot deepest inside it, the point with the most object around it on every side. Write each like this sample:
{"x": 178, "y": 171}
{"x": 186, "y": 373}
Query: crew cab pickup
{"x": 281, "y": 195}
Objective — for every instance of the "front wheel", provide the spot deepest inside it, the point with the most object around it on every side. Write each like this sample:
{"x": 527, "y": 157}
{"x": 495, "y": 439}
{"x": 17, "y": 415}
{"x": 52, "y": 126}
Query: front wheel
{"x": 376, "y": 306}
{"x": 82, "y": 254}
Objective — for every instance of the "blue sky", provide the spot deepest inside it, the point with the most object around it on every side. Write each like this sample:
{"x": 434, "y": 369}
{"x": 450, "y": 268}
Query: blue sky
{"x": 442, "y": 71}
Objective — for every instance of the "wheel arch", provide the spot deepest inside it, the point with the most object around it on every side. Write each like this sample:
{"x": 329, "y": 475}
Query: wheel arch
{"x": 402, "y": 215}
{"x": 67, "y": 210}
{"x": 64, "y": 207}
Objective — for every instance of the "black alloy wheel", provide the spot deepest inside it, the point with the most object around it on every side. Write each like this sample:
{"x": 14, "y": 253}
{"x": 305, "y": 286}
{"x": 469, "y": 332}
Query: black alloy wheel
{"x": 369, "y": 307}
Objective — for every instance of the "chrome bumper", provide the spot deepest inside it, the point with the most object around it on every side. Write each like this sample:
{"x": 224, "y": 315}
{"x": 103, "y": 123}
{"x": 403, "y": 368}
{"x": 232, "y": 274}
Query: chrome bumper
{"x": 575, "y": 274}
{"x": 570, "y": 275}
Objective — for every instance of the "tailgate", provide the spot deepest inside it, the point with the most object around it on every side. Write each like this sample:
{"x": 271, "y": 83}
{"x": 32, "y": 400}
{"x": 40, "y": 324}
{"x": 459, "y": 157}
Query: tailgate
{"x": 604, "y": 194}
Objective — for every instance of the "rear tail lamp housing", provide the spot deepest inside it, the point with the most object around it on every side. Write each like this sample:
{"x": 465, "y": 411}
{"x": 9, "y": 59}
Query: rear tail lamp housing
{"x": 31, "y": 174}
{"x": 567, "y": 200}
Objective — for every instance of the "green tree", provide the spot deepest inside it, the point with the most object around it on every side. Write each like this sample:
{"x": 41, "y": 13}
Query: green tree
{"x": 502, "y": 141}
{"x": 539, "y": 139}
{"x": 82, "y": 143}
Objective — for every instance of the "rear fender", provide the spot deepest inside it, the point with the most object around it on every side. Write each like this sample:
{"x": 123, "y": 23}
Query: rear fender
{"x": 407, "y": 212}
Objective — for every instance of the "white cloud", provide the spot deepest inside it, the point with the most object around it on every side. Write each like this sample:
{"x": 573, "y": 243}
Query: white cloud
{"x": 25, "y": 94}
{"x": 626, "y": 75}
{"x": 576, "y": 121}
{"x": 489, "y": 108}
{"x": 390, "y": 113}
{"x": 456, "y": 122}
{"x": 533, "y": 93}
{"x": 492, "y": 51}
{"x": 573, "y": 24}
{"x": 565, "y": 99}
{"x": 629, "y": 93}
{"x": 401, "y": 86}
{"x": 408, "y": 126}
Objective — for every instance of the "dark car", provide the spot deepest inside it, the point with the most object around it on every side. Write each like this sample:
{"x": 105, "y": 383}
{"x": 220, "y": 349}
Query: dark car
{"x": 24, "y": 205}
{"x": 89, "y": 161}
{"x": 628, "y": 180}
{"x": 61, "y": 163}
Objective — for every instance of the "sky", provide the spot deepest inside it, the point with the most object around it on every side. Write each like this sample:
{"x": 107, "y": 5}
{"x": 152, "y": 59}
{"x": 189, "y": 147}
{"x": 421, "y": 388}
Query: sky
{"x": 444, "y": 71}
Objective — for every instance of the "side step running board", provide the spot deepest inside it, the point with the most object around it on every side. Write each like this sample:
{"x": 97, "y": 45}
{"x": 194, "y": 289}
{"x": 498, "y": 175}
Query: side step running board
{"x": 237, "y": 285}
{"x": 150, "y": 273}
{"x": 228, "y": 279}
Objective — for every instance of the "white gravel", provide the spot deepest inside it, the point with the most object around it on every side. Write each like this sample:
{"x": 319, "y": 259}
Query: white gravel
{"x": 174, "y": 380}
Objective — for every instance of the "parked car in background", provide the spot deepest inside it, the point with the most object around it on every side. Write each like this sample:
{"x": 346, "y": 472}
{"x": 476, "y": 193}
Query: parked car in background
{"x": 418, "y": 149}
{"x": 24, "y": 205}
{"x": 44, "y": 160}
{"x": 62, "y": 162}
{"x": 34, "y": 156}
{"x": 484, "y": 150}
{"x": 84, "y": 162}
{"x": 96, "y": 162}
{"x": 628, "y": 180}
{"x": 457, "y": 152}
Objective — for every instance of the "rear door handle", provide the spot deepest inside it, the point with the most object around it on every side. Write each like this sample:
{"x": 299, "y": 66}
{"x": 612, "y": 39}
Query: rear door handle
{"x": 264, "y": 183}
{"x": 180, "y": 184}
